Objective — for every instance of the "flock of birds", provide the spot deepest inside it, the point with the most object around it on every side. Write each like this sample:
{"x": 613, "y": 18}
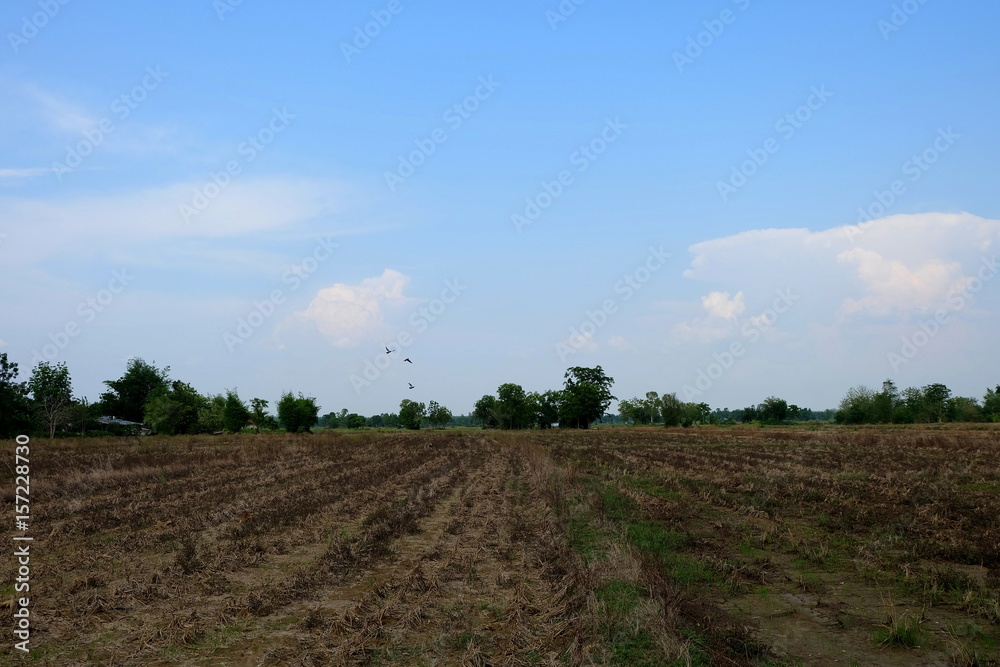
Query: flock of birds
{"x": 407, "y": 360}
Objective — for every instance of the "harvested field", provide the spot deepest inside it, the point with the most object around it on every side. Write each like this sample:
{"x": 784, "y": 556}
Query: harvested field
{"x": 735, "y": 546}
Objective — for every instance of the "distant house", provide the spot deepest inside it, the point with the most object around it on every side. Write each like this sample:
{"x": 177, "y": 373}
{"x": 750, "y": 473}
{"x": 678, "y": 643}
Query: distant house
{"x": 134, "y": 427}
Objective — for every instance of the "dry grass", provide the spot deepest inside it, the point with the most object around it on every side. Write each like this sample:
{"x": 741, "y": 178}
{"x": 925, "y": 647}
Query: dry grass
{"x": 617, "y": 546}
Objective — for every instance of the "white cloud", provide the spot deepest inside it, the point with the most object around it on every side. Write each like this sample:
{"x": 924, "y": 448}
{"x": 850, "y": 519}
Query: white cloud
{"x": 16, "y": 176}
{"x": 248, "y": 206}
{"x": 348, "y": 315}
{"x": 898, "y": 265}
{"x": 892, "y": 285}
{"x": 3, "y": 343}
{"x": 718, "y": 304}
{"x": 61, "y": 115}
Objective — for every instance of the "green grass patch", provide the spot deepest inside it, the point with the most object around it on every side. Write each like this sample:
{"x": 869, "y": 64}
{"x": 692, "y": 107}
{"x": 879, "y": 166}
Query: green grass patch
{"x": 902, "y": 631}
{"x": 627, "y": 643}
{"x": 584, "y": 538}
{"x": 665, "y": 545}
{"x": 653, "y": 488}
{"x": 616, "y": 505}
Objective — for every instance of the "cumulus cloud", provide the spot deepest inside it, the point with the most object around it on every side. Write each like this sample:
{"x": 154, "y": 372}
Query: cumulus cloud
{"x": 348, "y": 315}
{"x": 890, "y": 284}
{"x": 718, "y": 304}
{"x": 894, "y": 266}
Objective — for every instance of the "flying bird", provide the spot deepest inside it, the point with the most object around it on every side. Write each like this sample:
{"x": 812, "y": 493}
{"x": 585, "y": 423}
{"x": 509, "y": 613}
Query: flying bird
{"x": 407, "y": 360}
{"x": 411, "y": 385}
{"x": 388, "y": 351}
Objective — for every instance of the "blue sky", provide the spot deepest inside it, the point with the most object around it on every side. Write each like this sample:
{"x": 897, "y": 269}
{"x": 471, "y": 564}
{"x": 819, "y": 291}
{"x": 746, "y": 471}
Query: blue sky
{"x": 219, "y": 154}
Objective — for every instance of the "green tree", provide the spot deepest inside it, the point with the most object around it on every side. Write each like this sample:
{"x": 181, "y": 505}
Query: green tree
{"x": 547, "y": 408}
{"x": 15, "y": 408}
{"x": 411, "y": 413}
{"x": 773, "y": 409}
{"x": 235, "y": 414}
{"x": 672, "y": 410}
{"x": 438, "y": 415}
{"x": 857, "y": 406}
{"x": 963, "y": 409}
{"x": 210, "y": 414}
{"x": 585, "y": 397}
{"x": 299, "y": 413}
{"x": 52, "y": 394}
{"x": 936, "y": 397}
{"x": 129, "y": 394}
{"x": 258, "y": 414}
{"x": 991, "y": 404}
{"x": 512, "y": 409}
{"x": 691, "y": 414}
{"x": 355, "y": 421}
{"x": 650, "y": 407}
{"x": 175, "y": 411}
{"x": 885, "y": 402}
{"x": 485, "y": 411}
{"x": 630, "y": 411}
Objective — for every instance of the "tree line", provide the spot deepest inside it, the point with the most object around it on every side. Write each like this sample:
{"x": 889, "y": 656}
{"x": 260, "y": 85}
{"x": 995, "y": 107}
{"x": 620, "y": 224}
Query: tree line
{"x": 146, "y": 395}
{"x": 932, "y": 403}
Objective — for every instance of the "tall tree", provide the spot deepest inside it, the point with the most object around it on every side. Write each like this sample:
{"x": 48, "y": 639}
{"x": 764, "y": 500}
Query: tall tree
{"x": 936, "y": 397}
{"x": 235, "y": 414}
{"x": 299, "y": 413}
{"x": 585, "y": 397}
{"x": 438, "y": 415}
{"x": 672, "y": 410}
{"x": 15, "y": 410}
{"x": 512, "y": 408}
{"x": 129, "y": 394}
{"x": 411, "y": 413}
{"x": 52, "y": 393}
{"x": 991, "y": 404}
{"x": 175, "y": 411}
{"x": 258, "y": 413}
{"x": 774, "y": 409}
{"x": 857, "y": 406}
{"x": 651, "y": 407}
{"x": 485, "y": 411}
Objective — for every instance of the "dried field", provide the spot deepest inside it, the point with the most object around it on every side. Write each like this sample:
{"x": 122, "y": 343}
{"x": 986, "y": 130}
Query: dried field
{"x": 734, "y": 546}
